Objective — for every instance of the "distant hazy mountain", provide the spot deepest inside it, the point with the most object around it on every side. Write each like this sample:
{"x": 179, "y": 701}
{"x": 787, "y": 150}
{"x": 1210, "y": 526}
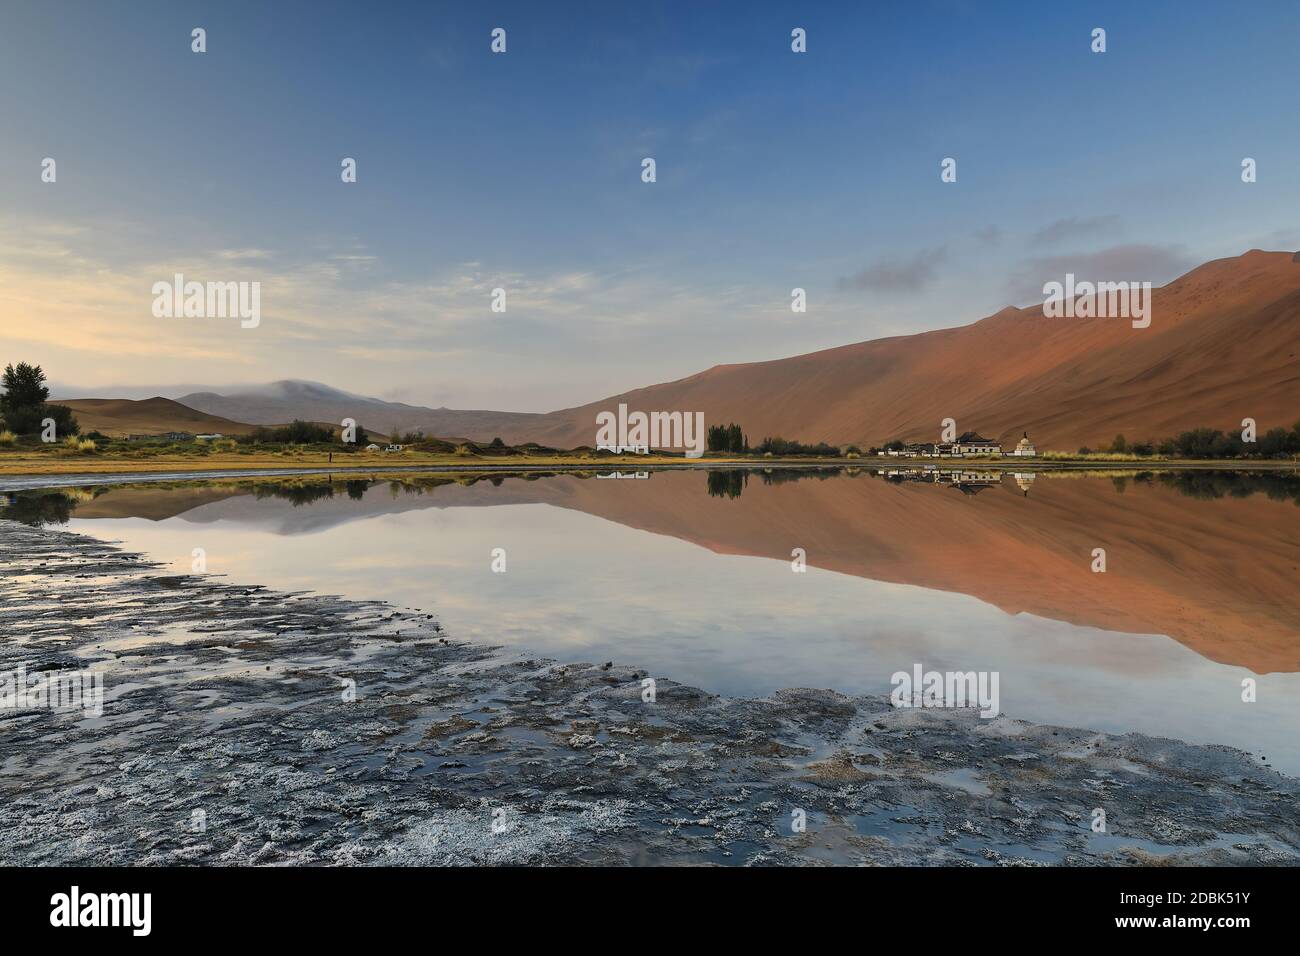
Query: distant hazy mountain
{"x": 285, "y": 400}
{"x": 60, "y": 391}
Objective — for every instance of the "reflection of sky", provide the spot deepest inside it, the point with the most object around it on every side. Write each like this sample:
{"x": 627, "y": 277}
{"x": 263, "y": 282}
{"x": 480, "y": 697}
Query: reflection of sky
{"x": 582, "y": 588}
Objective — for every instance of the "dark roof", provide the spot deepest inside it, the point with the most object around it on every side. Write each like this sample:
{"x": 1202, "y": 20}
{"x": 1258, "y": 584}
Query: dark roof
{"x": 969, "y": 437}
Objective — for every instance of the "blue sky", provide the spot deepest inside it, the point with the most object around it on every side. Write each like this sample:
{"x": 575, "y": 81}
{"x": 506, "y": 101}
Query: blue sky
{"x": 522, "y": 171}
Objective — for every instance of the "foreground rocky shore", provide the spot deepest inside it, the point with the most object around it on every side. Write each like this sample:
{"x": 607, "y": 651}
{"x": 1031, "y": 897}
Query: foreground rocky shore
{"x": 245, "y": 726}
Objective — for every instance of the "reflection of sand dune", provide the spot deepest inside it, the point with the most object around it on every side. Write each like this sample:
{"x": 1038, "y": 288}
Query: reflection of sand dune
{"x": 154, "y": 504}
{"x": 1218, "y": 575}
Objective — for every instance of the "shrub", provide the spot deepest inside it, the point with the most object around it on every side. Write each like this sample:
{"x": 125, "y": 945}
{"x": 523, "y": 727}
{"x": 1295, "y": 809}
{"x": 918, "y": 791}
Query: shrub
{"x": 297, "y": 432}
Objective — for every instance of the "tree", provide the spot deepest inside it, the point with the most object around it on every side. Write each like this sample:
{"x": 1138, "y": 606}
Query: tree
{"x": 24, "y": 388}
{"x": 23, "y": 404}
{"x": 728, "y": 437}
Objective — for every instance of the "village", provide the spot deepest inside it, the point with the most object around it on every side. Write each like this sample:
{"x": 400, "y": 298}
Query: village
{"x": 968, "y": 444}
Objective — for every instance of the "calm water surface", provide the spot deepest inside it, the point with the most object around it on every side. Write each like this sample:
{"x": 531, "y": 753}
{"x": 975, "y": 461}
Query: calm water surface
{"x": 690, "y": 576}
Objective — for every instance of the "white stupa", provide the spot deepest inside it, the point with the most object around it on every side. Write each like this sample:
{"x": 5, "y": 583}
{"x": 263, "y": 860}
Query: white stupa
{"x": 1025, "y": 448}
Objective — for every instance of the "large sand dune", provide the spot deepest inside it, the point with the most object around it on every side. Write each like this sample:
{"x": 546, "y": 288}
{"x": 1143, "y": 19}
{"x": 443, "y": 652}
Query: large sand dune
{"x": 149, "y": 416}
{"x": 1222, "y": 346}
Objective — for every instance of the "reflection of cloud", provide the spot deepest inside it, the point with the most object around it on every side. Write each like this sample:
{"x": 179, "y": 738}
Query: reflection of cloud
{"x": 730, "y": 623}
{"x": 1134, "y": 263}
{"x": 990, "y": 235}
{"x": 1075, "y": 227}
{"x": 892, "y": 275}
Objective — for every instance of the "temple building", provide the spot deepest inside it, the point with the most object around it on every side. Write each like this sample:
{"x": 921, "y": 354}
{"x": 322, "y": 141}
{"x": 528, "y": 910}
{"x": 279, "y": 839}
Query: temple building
{"x": 1025, "y": 448}
{"x": 970, "y": 443}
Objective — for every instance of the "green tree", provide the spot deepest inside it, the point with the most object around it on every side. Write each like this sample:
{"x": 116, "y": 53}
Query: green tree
{"x": 23, "y": 404}
{"x": 24, "y": 387}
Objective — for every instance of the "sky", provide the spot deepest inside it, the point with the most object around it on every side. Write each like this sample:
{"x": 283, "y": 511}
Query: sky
{"x": 522, "y": 170}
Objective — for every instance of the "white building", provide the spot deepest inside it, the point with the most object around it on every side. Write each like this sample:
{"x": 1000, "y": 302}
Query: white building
{"x": 1025, "y": 448}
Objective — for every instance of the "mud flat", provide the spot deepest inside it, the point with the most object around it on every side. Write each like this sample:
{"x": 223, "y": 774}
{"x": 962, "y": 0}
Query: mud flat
{"x": 229, "y": 700}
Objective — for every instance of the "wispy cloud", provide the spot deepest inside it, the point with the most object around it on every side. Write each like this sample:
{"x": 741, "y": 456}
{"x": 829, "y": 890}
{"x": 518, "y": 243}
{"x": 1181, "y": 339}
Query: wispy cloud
{"x": 897, "y": 275}
{"x": 1075, "y": 227}
{"x": 1134, "y": 263}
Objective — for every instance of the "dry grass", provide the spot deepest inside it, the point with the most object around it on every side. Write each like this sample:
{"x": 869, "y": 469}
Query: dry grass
{"x": 55, "y": 459}
{"x": 90, "y": 458}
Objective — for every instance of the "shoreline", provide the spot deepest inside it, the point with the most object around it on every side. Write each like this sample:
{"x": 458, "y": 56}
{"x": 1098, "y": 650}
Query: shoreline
{"x": 225, "y": 697}
{"x": 199, "y": 470}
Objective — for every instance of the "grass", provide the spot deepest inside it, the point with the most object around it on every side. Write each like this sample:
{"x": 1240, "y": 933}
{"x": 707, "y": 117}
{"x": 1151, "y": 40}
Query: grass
{"x": 79, "y": 455}
{"x": 84, "y": 455}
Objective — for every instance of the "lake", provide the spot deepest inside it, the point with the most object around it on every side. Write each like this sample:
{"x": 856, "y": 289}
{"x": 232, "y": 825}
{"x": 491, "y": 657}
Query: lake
{"x": 691, "y": 575}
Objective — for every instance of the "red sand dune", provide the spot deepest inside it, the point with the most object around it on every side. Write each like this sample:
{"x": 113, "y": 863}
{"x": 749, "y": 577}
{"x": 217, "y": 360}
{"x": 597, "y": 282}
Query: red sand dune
{"x": 1222, "y": 346}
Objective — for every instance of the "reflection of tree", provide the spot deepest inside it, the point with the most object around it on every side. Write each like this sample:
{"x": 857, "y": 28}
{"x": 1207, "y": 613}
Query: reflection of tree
{"x": 297, "y": 494}
{"x": 37, "y": 509}
{"x": 779, "y": 476}
{"x": 1206, "y": 485}
{"x": 727, "y": 484}
{"x": 1231, "y": 484}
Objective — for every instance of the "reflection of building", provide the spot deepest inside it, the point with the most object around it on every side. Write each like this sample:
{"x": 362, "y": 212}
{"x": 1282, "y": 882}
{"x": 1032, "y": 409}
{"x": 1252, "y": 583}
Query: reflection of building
{"x": 1025, "y": 448}
{"x": 1024, "y": 479}
{"x": 967, "y": 482}
{"x": 973, "y": 482}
